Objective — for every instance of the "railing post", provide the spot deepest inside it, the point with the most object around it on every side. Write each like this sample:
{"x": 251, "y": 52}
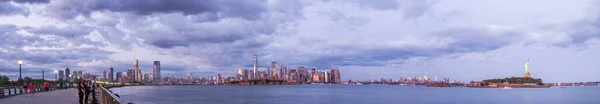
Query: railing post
{"x": 1, "y": 92}
{"x": 16, "y": 89}
{"x": 9, "y": 93}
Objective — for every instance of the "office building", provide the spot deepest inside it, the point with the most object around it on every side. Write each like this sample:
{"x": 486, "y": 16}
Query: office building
{"x": 156, "y": 71}
{"x": 335, "y": 76}
{"x": 111, "y": 75}
{"x": 274, "y": 71}
{"x": 104, "y": 75}
{"x": 61, "y": 74}
{"x": 119, "y": 76}
{"x": 255, "y": 67}
{"x": 68, "y": 74}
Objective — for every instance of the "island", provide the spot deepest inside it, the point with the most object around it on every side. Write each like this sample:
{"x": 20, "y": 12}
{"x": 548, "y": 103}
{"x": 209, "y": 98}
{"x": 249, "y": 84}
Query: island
{"x": 513, "y": 82}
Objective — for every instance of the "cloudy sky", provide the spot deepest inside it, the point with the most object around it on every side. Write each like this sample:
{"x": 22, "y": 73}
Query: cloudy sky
{"x": 366, "y": 39}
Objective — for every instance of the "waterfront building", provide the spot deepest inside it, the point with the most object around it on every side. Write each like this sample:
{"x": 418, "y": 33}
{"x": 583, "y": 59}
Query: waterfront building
{"x": 61, "y": 74}
{"x": 130, "y": 75}
{"x": 111, "y": 75}
{"x": 321, "y": 77}
{"x": 284, "y": 72}
{"x": 255, "y": 66}
{"x": 68, "y": 74}
{"x": 425, "y": 78}
{"x": 218, "y": 79}
{"x": 135, "y": 69}
{"x": 156, "y": 71}
{"x": 436, "y": 78}
{"x": 146, "y": 78}
{"x": 274, "y": 72}
{"x": 119, "y": 75}
{"x": 104, "y": 75}
{"x": 302, "y": 74}
{"x": 240, "y": 74}
{"x": 249, "y": 74}
{"x": 139, "y": 75}
{"x": 327, "y": 77}
{"x": 189, "y": 75}
{"x": 315, "y": 78}
{"x": 335, "y": 76}
{"x": 293, "y": 77}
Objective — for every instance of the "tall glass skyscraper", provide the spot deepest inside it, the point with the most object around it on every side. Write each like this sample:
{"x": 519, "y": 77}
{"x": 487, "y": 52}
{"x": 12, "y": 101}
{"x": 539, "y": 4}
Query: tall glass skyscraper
{"x": 255, "y": 67}
{"x": 156, "y": 72}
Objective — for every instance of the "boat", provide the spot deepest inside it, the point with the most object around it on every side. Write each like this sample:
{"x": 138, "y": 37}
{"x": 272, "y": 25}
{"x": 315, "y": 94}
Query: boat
{"x": 507, "y": 87}
{"x": 359, "y": 84}
{"x": 563, "y": 87}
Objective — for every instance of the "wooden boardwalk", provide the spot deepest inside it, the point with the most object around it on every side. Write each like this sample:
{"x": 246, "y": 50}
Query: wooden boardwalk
{"x": 68, "y": 96}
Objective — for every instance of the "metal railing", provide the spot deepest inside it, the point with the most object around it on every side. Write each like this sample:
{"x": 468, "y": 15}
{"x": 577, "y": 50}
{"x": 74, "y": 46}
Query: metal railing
{"x": 18, "y": 90}
{"x": 107, "y": 97}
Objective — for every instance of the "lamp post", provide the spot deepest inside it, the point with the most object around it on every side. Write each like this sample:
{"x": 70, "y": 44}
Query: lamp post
{"x": 43, "y": 78}
{"x": 20, "y": 61}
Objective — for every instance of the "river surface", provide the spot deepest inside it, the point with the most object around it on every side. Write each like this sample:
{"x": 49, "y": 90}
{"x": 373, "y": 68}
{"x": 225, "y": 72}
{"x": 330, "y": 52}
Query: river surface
{"x": 354, "y": 94}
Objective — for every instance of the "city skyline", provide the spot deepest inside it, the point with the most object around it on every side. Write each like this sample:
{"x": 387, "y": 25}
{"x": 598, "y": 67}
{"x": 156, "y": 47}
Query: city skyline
{"x": 363, "y": 39}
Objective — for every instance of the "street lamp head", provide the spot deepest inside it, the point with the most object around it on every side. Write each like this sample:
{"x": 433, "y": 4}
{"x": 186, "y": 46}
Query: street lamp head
{"x": 55, "y": 71}
{"x": 20, "y": 61}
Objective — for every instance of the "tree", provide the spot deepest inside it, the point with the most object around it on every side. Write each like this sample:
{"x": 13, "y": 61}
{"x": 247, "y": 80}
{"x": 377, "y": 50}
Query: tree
{"x": 20, "y": 81}
{"x": 60, "y": 80}
{"x": 27, "y": 79}
{"x": 4, "y": 80}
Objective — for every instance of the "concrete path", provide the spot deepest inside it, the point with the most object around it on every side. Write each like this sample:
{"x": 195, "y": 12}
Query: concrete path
{"x": 51, "y": 97}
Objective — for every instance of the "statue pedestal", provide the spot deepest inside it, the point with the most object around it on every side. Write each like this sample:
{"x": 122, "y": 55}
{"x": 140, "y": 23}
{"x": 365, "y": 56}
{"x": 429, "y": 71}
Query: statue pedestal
{"x": 527, "y": 75}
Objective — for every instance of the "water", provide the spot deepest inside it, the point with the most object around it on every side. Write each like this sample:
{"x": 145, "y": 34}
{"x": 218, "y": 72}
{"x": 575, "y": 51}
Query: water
{"x": 354, "y": 94}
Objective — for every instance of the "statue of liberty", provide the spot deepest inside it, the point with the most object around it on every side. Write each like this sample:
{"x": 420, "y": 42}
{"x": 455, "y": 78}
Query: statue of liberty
{"x": 527, "y": 74}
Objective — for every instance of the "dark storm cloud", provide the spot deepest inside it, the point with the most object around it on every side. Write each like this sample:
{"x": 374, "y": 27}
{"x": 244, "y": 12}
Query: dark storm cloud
{"x": 464, "y": 40}
{"x": 8, "y": 9}
{"x": 27, "y": 1}
{"x": 40, "y": 53}
{"x": 69, "y": 32}
{"x": 247, "y": 9}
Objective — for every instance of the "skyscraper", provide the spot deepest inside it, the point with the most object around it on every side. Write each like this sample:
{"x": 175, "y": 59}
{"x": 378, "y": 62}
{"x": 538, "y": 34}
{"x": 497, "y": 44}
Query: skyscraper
{"x": 302, "y": 74}
{"x": 156, "y": 73}
{"x": 335, "y": 76}
{"x": 274, "y": 73}
{"x": 135, "y": 73}
{"x": 68, "y": 74}
{"x": 240, "y": 74}
{"x": 146, "y": 78}
{"x": 327, "y": 77}
{"x": 130, "y": 75}
{"x": 61, "y": 74}
{"x": 119, "y": 76}
{"x": 255, "y": 67}
{"x": 139, "y": 75}
{"x": 104, "y": 75}
{"x": 110, "y": 75}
